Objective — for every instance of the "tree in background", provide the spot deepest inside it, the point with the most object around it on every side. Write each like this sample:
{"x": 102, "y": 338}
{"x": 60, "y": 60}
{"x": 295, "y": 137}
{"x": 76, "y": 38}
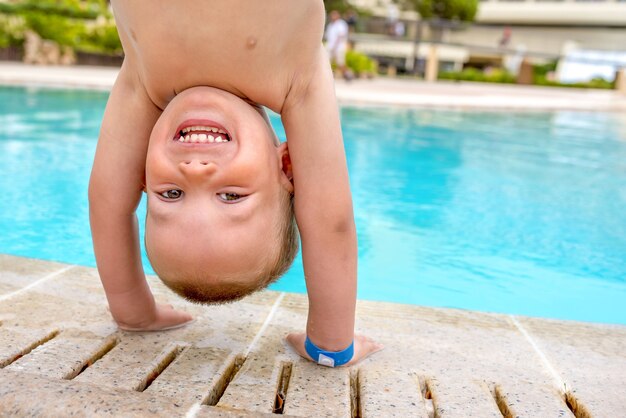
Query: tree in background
{"x": 440, "y": 15}
{"x": 340, "y": 5}
{"x": 444, "y": 14}
{"x": 84, "y": 26}
{"x": 463, "y": 10}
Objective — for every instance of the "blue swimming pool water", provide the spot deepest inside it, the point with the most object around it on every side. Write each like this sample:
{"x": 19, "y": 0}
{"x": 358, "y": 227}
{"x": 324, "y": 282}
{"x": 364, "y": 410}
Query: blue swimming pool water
{"x": 508, "y": 212}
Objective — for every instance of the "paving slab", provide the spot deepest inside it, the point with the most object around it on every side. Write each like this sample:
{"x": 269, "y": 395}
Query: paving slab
{"x": 17, "y": 276}
{"x": 17, "y": 342}
{"x": 254, "y": 386}
{"x": 133, "y": 363}
{"x": 63, "y": 357}
{"x": 61, "y": 354}
{"x": 453, "y": 397}
{"x": 527, "y": 399}
{"x": 590, "y": 360}
{"x": 198, "y": 375}
{"x": 56, "y": 398}
{"x": 390, "y": 393}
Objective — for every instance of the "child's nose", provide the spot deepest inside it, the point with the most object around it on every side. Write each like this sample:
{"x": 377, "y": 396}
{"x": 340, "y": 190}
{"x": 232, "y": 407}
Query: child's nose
{"x": 197, "y": 168}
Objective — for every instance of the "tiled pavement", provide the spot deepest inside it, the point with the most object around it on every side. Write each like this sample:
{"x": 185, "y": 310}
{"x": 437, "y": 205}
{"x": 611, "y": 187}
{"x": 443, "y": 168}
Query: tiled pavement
{"x": 61, "y": 354}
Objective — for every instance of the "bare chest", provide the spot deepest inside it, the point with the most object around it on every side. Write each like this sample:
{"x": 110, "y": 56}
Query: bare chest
{"x": 249, "y": 48}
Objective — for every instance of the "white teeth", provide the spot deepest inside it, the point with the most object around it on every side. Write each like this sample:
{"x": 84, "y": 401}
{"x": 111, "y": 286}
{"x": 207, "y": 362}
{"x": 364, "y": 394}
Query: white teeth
{"x": 194, "y": 138}
{"x": 203, "y": 128}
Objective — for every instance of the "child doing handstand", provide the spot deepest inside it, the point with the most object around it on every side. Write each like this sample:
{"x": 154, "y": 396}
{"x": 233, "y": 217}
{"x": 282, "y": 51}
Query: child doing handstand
{"x": 184, "y": 123}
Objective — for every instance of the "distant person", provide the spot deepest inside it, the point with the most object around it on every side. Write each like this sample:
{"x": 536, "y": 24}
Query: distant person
{"x": 398, "y": 29}
{"x": 184, "y": 123}
{"x": 352, "y": 19}
{"x": 337, "y": 43}
{"x": 506, "y": 38}
{"x": 393, "y": 16}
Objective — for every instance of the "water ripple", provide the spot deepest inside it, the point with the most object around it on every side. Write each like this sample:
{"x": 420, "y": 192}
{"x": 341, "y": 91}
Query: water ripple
{"x": 508, "y": 212}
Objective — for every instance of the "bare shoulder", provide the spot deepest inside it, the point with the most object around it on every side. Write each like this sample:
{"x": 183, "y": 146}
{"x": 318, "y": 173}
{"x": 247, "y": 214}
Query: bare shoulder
{"x": 256, "y": 50}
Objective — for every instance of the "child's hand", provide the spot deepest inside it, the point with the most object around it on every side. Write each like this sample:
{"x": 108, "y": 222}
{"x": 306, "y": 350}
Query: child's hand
{"x": 165, "y": 318}
{"x": 363, "y": 346}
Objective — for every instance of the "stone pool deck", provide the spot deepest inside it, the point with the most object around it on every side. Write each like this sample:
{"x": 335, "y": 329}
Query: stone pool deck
{"x": 61, "y": 355}
{"x": 379, "y": 91}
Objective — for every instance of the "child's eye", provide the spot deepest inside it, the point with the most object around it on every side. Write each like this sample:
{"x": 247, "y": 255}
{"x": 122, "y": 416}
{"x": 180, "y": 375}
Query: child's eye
{"x": 229, "y": 197}
{"x": 172, "y": 194}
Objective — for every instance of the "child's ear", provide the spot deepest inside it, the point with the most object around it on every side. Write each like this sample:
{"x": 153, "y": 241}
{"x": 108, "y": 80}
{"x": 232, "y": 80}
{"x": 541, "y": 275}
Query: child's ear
{"x": 285, "y": 167}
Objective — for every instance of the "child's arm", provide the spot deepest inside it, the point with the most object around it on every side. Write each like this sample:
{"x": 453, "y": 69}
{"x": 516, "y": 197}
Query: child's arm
{"x": 323, "y": 207}
{"x": 115, "y": 189}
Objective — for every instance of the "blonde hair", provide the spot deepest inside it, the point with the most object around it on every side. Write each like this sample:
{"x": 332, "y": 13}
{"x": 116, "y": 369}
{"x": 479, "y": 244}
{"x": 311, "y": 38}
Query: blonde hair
{"x": 195, "y": 287}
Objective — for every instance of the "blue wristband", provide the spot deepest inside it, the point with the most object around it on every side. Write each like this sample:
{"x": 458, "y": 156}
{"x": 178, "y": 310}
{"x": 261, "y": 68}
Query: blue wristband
{"x": 328, "y": 358}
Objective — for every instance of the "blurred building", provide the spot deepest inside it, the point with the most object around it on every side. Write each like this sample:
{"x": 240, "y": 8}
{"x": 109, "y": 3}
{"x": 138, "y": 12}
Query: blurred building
{"x": 542, "y": 29}
{"x": 546, "y": 26}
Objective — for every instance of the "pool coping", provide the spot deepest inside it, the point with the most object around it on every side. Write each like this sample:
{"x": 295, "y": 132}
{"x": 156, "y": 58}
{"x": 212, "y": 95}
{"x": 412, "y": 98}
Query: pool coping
{"x": 61, "y": 347}
{"x": 379, "y": 91}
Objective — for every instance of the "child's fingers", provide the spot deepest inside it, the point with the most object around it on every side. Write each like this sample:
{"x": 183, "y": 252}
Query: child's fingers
{"x": 159, "y": 327}
{"x": 296, "y": 340}
{"x": 174, "y": 317}
{"x": 295, "y": 337}
{"x": 166, "y": 318}
{"x": 370, "y": 343}
{"x": 183, "y": 324}
{"x": 363, "y": 348}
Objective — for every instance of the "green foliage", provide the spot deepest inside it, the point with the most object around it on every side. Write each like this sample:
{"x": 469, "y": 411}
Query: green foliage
{"x": 463, "y": 10}
{"x": 540, "y": 77}
{"x": 11, "y": 31}
{"x": 542, "y": 70}
{"x": 102, "y": 37}
{"x": 343, "y": 6}
{"x": 360, "y": 63}
{"x": 68, "y": 8}
{"x": 84, "y": 25}
{"x": 596, "y": 83}
{"x": 474, "y": 74}
{"x": 60, "y": 29}
{"x": 339, "y": 5}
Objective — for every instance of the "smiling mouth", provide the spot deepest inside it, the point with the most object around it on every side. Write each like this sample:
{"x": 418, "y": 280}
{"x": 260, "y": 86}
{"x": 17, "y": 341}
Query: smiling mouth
{"x": 202, "y": 135}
